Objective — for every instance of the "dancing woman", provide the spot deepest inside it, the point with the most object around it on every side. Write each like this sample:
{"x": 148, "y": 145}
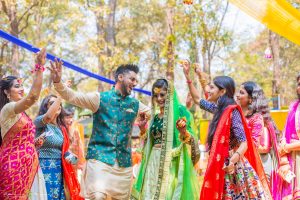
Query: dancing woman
{"x": 55, "y": 159}
{"x": 234, "y": 168}
{"x": 167, "y": 170}
{"x": 263, "y": 130}
{"x": 18, "y": 157}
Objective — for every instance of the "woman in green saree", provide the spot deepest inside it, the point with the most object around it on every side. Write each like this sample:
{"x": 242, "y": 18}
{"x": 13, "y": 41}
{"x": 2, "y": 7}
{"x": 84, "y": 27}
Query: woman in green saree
{"x": 170, "y": 152}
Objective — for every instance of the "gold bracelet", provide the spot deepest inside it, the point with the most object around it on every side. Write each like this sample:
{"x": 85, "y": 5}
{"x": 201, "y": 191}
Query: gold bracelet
{"x": 203, "y": 83}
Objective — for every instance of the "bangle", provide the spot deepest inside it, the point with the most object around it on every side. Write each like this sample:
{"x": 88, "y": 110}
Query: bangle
{"x": 38, "y": 67}
{"x": 189, "y": 81}
{"x": 203, "y": 83}
{"x": 186, "y": 139}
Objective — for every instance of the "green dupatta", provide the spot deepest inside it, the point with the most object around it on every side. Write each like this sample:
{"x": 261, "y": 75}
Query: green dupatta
{"x": 172, "y": 151}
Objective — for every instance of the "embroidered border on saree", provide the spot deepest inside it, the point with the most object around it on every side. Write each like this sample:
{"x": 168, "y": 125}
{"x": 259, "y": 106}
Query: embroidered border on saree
{"x": 166, "y": 149}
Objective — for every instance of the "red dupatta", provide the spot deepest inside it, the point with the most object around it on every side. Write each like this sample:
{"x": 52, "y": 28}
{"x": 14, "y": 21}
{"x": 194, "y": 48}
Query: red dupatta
{"x": 213, "y": 184}
{"x": 69, "y": 175}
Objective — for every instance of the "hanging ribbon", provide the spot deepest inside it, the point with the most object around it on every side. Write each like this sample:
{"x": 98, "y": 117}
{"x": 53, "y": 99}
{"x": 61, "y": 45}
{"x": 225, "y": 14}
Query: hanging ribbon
{"x": 33, "y": 49}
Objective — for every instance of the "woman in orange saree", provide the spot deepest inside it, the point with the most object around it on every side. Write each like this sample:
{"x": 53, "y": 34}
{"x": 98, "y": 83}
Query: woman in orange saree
{"x": 18, "y": 157}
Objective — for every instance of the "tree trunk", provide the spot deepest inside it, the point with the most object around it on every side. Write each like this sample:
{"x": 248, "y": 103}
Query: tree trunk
{"x": 106, "y": 38}
{"x": 10, "y": 9}
{"x": 110, "y": 29}
{"x": 170, "y": 47}
{"x": 100, "y": 40}
{"x": 274, "y": 44}
{"x": 14, "y": 30}
{"x": 4, "y": 47}
{"x": 206, "y": 67}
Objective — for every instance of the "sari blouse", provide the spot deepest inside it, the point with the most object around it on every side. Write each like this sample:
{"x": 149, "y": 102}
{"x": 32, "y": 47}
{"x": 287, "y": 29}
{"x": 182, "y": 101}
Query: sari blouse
{"x": 52, "y": 146}
{"x": 8, "y": 117}
{"x": 237, "y": 132}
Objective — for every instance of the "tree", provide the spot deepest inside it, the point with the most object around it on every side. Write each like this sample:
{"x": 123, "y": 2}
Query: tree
{"x": 18, "y": 21}
{"x": 170, "y": 41}
{"x": 248, "y": 63}
{"x": 202, "y": 28}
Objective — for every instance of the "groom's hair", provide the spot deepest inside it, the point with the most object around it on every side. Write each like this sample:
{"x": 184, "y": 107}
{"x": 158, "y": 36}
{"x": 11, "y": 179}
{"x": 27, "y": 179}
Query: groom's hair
{"x": 123, "y": 69}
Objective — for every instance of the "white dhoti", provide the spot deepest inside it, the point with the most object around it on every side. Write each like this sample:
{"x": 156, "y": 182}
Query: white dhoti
{"x": 99, "y": 177}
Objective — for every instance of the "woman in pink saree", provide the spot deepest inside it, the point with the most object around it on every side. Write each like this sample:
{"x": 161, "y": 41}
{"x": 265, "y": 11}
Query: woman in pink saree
{"x": 18, "y": 157}
{"x": 290, "y": 152}
{"x": 263, "y": 130}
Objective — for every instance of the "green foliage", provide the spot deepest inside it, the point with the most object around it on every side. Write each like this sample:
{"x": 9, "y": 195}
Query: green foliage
{"x": 81, "y": 32}
{"x": 248, "y": 63}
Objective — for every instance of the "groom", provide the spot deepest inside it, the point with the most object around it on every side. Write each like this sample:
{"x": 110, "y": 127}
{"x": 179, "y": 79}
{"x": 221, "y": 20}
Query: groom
{"x": 108, "y": 168}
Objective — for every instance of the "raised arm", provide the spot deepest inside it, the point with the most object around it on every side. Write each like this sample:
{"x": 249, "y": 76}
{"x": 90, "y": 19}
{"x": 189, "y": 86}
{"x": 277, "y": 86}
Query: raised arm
{"x": 36, "y": 87}
{"x": 194, "y": 92}
{"x": 89, "y": 100}
{"x": 52, "y": 111}
{"x": 202, "y": 77}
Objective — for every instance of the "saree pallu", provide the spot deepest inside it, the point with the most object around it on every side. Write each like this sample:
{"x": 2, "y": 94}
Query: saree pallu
{"x": 72, "y": 187}
{"x": 18, "y": 160}
{"x": 214, "y": 184}
{"x": 271, "y": 162}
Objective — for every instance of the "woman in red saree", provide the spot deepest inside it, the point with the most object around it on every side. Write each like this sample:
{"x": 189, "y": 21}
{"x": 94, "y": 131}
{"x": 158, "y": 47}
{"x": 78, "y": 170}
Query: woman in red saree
{"x": 18, "y": 157}
{"x": 234, "y": 168}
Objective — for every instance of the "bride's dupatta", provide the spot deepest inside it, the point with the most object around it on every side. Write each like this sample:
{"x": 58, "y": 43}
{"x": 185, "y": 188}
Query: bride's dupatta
{"x": 18, "y": 160}
{"x": 72, "y": 188}
{"x": 213, "y": 184}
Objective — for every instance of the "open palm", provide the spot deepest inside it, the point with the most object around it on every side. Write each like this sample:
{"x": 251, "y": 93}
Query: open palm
{"x": 56, "y": 70}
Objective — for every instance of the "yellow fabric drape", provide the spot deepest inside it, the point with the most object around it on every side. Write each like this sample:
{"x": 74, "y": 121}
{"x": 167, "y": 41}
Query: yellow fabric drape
{"x": 278, "y": 15}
